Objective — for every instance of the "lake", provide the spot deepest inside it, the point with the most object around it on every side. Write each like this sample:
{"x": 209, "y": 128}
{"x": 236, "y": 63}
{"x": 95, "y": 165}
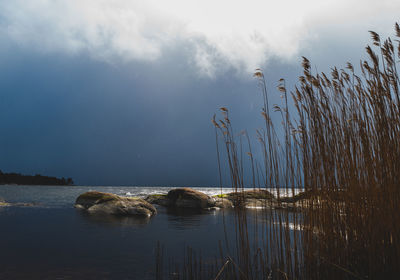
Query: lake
{"x": 53, "y": 240}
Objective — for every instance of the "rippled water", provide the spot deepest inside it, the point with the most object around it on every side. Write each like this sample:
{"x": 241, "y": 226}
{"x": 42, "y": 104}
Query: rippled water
{"x": 52, "y": 240}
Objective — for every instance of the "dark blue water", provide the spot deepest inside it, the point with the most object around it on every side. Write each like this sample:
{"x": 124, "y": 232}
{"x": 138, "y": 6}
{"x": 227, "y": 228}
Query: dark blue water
{"x": 52, "y": 240}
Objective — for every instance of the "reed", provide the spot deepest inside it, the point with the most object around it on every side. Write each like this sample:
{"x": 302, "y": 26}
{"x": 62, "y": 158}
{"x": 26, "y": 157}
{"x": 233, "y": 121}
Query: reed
{"x": 341, "y": 146}
{"x": 349, "y": 139}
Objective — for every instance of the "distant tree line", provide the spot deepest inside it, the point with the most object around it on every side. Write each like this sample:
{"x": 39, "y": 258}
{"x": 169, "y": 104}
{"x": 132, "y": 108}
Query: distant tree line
{"x": 19, "y": 179}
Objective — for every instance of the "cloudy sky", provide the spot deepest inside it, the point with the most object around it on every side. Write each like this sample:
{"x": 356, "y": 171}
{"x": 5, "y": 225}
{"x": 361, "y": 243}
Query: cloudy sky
{"x": 122, "y": 92}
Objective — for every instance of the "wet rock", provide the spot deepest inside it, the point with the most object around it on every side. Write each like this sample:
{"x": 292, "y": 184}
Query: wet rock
{"x": 260, "y": 203}
{"x": 251, "y": 198}
{"x": 259, "y": 198}
{"x": 183, "y": 198}
{"x": 189, "y": 198}
{"x": 159, "y": 199}
{"x": 4, "y": 203}
{"x": 300, "y": 196}
{"x": 221, "y": 202}
{"x": 99, "y": 202}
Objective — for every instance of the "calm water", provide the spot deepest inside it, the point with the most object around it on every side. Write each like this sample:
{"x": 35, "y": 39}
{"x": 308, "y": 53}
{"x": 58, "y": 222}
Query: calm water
{"x": 55, "y": 241}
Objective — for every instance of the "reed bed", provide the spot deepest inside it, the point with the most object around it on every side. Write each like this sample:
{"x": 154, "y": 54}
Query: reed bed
{"x": 339, "y": 143}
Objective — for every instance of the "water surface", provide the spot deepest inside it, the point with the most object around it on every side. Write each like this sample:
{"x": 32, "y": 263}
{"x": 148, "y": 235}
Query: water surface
{"x": 52, "y": 240}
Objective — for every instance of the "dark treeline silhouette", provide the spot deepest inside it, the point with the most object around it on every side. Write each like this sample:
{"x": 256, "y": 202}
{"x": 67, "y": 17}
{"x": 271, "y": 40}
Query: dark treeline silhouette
{"x": 19, "y": 179}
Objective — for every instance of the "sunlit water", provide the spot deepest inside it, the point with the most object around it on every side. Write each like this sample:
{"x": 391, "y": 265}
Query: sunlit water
{"x": 52, "y": 240}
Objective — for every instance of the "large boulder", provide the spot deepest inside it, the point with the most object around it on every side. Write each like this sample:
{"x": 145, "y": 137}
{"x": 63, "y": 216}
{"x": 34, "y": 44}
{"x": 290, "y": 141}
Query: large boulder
{"x": 189, "y": 198}
{"x": 251, "y": 198}
{"x": 221, "y": 202}
{"x": 183, "y": 198}
{"x": 108, "y": 203}
{"x": 251, "y": 194}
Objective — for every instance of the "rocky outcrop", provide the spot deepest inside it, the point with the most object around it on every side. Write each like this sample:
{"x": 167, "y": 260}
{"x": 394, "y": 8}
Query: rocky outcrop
{"x": 258, "y": 198}
{"x": 189, "y": 198}
{"x": 183, "y": 198}
{"x": 99, "y": 202}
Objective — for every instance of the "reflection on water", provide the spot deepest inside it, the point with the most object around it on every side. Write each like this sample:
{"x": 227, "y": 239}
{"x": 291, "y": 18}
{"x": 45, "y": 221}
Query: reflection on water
{"x": 64, "y": 241}
{"x": 113, "y": 220}
{"x": 185, "y": 212}
{"x": 49, "y": 272}
{"x": 187, "y": 218}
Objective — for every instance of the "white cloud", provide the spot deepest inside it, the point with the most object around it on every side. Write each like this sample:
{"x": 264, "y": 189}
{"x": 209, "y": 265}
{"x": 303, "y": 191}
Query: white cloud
{"x": 222, "y": 33}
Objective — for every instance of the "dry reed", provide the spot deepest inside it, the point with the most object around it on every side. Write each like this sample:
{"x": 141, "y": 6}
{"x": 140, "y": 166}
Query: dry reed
{"x": 341, "y": 145}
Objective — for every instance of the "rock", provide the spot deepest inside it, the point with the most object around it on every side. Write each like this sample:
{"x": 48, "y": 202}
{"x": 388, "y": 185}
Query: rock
{"x": 260, "y": 203}
{"x": 182, "y": 198}
{"x": 251, "y": 198}
{"x": 159, "y": 199}
{"x": 300, "y": 196}
{"x": 189, "y": 198}
{"x": 19, "y": 204}
{"x": 4, "y": 203}
{"x": 99, "y": 202}
{"x": 256, "y": 194}
{"x": 221, "y": 202}
{"x": 309, "y": 197}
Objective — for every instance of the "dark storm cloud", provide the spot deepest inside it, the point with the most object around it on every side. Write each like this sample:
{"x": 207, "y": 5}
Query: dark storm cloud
{"x": 133, "y": 124}
{"x": 104, "y": 97}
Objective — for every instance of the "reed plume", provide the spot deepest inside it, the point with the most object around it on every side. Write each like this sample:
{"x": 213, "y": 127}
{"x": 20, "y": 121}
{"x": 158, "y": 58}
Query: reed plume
{"x": 341, "y": 148}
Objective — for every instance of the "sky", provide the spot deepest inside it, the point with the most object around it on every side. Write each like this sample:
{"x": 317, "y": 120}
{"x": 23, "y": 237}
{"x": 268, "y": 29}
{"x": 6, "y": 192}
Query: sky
{"x": 122, "y": 92}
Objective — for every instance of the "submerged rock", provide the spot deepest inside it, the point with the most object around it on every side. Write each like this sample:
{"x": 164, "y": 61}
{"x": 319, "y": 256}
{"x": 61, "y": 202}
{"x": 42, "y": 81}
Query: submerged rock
{"x": 20, "y": 204}
{"x": 108, "y": 203}
{"x": 4, "y": 203}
